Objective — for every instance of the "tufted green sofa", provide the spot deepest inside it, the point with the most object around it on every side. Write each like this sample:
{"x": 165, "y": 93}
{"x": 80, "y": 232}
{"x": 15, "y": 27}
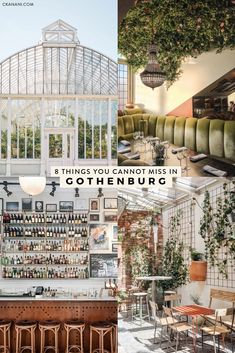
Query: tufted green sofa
{"x": 215, "y": 137}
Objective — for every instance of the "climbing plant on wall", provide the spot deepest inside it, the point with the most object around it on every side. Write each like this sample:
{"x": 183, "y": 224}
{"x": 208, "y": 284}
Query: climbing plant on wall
{"x": 182, "y": 28}
{"x": 217, "y": 231}
{"x": 173, "y": 260}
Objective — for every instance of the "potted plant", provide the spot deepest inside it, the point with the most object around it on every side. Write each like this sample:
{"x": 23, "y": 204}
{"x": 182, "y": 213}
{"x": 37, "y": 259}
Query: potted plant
{"x": 198, "y": 267}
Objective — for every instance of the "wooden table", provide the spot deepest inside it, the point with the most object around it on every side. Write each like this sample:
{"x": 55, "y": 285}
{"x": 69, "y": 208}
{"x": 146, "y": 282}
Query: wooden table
{"x": 194, "y": 311}
{"x": 153, "y": 279}
{"x": 195, "y": 168}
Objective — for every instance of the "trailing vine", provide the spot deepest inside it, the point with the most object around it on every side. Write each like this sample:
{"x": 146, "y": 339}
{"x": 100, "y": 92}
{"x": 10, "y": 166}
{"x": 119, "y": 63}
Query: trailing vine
{"x": 182, "y": 29}
{"x": 217, "y": 231}
{"x": 173, "y": 261}
{"x": 140, "y": 263}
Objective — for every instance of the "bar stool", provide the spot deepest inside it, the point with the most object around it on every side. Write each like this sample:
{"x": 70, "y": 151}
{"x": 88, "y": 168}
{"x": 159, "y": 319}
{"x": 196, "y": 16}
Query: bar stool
{"x": 25, "y": 326}
{"x": 139, "y": 299}
{"x": 115, "y": 338}
{"x": 47, "y": 326}
{"x": 5, "y": 326}
{"x": 103, "y": 329}
{"x": 74, "y": 325}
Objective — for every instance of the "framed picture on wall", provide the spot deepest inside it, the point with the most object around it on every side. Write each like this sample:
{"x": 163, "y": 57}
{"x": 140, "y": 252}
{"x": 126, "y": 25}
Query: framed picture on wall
{"x": 99, "y": 237}
{"x": 82, "y": 204}
{"x": 110, "y": 217}
{"x": 51, "y": 207}
{"x": 12, "y": 206}
{"x": 94, "y": 217}
{"x": 115, "y": 247}
{"x": 103, "y": 265}
{"x": 110, "y": 203}
{"x": 66, "y": 206}
{"x": 94, "y": 205}
{"x": 27, "y": 205}
{"x": 39, "y": 206}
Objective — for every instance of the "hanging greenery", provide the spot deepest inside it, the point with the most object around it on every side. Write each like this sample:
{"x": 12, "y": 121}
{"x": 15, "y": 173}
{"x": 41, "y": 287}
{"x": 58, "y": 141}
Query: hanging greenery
{"x": 182, "y": 29}
{"x": 217, "y": 231}
{"x": 140, "y": 261}
{"x": 173, "y": 260}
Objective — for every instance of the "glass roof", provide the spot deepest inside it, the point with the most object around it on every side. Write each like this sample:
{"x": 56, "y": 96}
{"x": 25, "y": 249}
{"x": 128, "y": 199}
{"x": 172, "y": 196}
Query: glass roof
{"x": 59, "y": 65}
{"x": 158, "y": 198}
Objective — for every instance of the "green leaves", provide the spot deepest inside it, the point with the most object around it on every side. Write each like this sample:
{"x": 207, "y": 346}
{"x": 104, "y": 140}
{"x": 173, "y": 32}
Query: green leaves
{"x": 181, "y": 29}
{"x": 217, "y": 231}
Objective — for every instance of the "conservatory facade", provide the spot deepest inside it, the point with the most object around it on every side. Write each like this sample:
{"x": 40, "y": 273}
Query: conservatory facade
{"x": 58, "y": 105}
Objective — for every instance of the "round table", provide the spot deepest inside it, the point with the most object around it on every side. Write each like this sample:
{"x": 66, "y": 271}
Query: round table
{"x": 153, "y": 279}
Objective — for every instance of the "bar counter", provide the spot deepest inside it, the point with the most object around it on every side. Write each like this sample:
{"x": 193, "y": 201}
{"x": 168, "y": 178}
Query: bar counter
{"x": 87, "y": 309}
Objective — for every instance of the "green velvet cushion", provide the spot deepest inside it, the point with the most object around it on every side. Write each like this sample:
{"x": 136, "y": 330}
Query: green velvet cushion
{"x": 146, "y": 125}
{"x": 120, "y": 126}
{"x": 179, "y": 131}
{"x": 216, "y": 138}
{"x": 137, "y": 162}
{"x": 152, "y": 125}
{"x": 128, "y": 124}
{"x": 136, "y": 119}
{"x": 121, "y": 158}
{"x": 132, "y": 111}
{"x": 190, "y": 133}
{"x": 229, "y": 140}
{"x": 169, "y": 129}
{"x": 160, "y": 127}
{"x": 127, "y": 137}
{"x": 202, "y": 136}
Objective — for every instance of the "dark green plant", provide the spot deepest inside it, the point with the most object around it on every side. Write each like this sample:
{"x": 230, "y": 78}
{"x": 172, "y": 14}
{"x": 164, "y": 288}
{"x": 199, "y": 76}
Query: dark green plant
{"x": 196, "y": 255}
{"x": 217, "y": 231}
{"x": 181, "y": 29}
{"x": 173, "y": 260}
{"x": 140, "y": 261}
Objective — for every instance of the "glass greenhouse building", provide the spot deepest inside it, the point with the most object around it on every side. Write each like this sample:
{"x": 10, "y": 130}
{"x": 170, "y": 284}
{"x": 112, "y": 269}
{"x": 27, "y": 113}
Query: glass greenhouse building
{"x": 58, "y": 105}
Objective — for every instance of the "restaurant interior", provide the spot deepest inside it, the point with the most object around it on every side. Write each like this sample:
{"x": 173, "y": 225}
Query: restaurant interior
{"x": 177, "y": 85}
{"x": 58, "y": 277}
{"x": 176, "y": 267}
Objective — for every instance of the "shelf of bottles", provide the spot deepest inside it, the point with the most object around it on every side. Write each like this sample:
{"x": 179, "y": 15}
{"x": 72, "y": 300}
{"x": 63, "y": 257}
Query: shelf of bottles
{"x": 45, "y": 245}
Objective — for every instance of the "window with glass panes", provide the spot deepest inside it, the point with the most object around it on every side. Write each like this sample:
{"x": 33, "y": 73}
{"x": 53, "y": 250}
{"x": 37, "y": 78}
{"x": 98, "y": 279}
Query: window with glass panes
{"x": 122, "y": 85}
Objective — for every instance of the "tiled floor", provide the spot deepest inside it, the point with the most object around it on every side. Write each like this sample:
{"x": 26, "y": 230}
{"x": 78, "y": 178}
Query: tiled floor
{"x": 136, "y": 338}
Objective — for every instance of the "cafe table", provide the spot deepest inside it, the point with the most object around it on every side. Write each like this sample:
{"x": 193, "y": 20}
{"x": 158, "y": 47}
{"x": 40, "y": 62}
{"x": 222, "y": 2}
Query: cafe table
{"x": 153, "y": 279}
{"x": 193, "y": 311}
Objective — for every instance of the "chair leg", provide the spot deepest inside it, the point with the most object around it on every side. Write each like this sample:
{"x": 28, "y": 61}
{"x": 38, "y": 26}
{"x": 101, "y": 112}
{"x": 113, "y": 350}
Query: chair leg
{"x": 161, "y": 337}
{"x": 147, "y": 304}
{"x": 9, "y": 341}
{"x": 91, "y": 345}
{"x": 177, "y": 341}
{"x": 155, "y": 331}
{"x": 202, "y": 339}
{"x": 218, "y": 343}
{"x": 214, "y": 344}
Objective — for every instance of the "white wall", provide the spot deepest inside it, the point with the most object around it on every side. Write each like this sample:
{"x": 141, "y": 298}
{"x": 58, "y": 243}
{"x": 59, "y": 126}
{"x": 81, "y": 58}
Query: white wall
{"x": 197, "y": 288}
{"x": 60, "y": 195}
{"x": 208, "y": 68}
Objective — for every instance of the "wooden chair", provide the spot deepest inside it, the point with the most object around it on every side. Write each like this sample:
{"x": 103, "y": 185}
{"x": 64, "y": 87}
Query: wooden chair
{"x": 49, "y": 326}
{"x": 217, "y": 329}
{"x": 178, "y": 327}
{"x": 161, "y": 322}
{"x": 139, "y": 300}
{"x": 25, "y": 327}
{"x": 5, "y": 327}
{"x": 172, "y": 300}
{"x": 76, "y": 327}
{"x": 103, "y": 330}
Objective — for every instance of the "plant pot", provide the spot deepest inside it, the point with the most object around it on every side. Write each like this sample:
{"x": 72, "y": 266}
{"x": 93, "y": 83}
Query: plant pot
{"x": 198, "y": 270}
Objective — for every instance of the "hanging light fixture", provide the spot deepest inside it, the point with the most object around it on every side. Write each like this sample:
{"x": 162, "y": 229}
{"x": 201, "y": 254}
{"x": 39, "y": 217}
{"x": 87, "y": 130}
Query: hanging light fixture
{"x": 32, "y": 185}
{"x": 152, "y": 76}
